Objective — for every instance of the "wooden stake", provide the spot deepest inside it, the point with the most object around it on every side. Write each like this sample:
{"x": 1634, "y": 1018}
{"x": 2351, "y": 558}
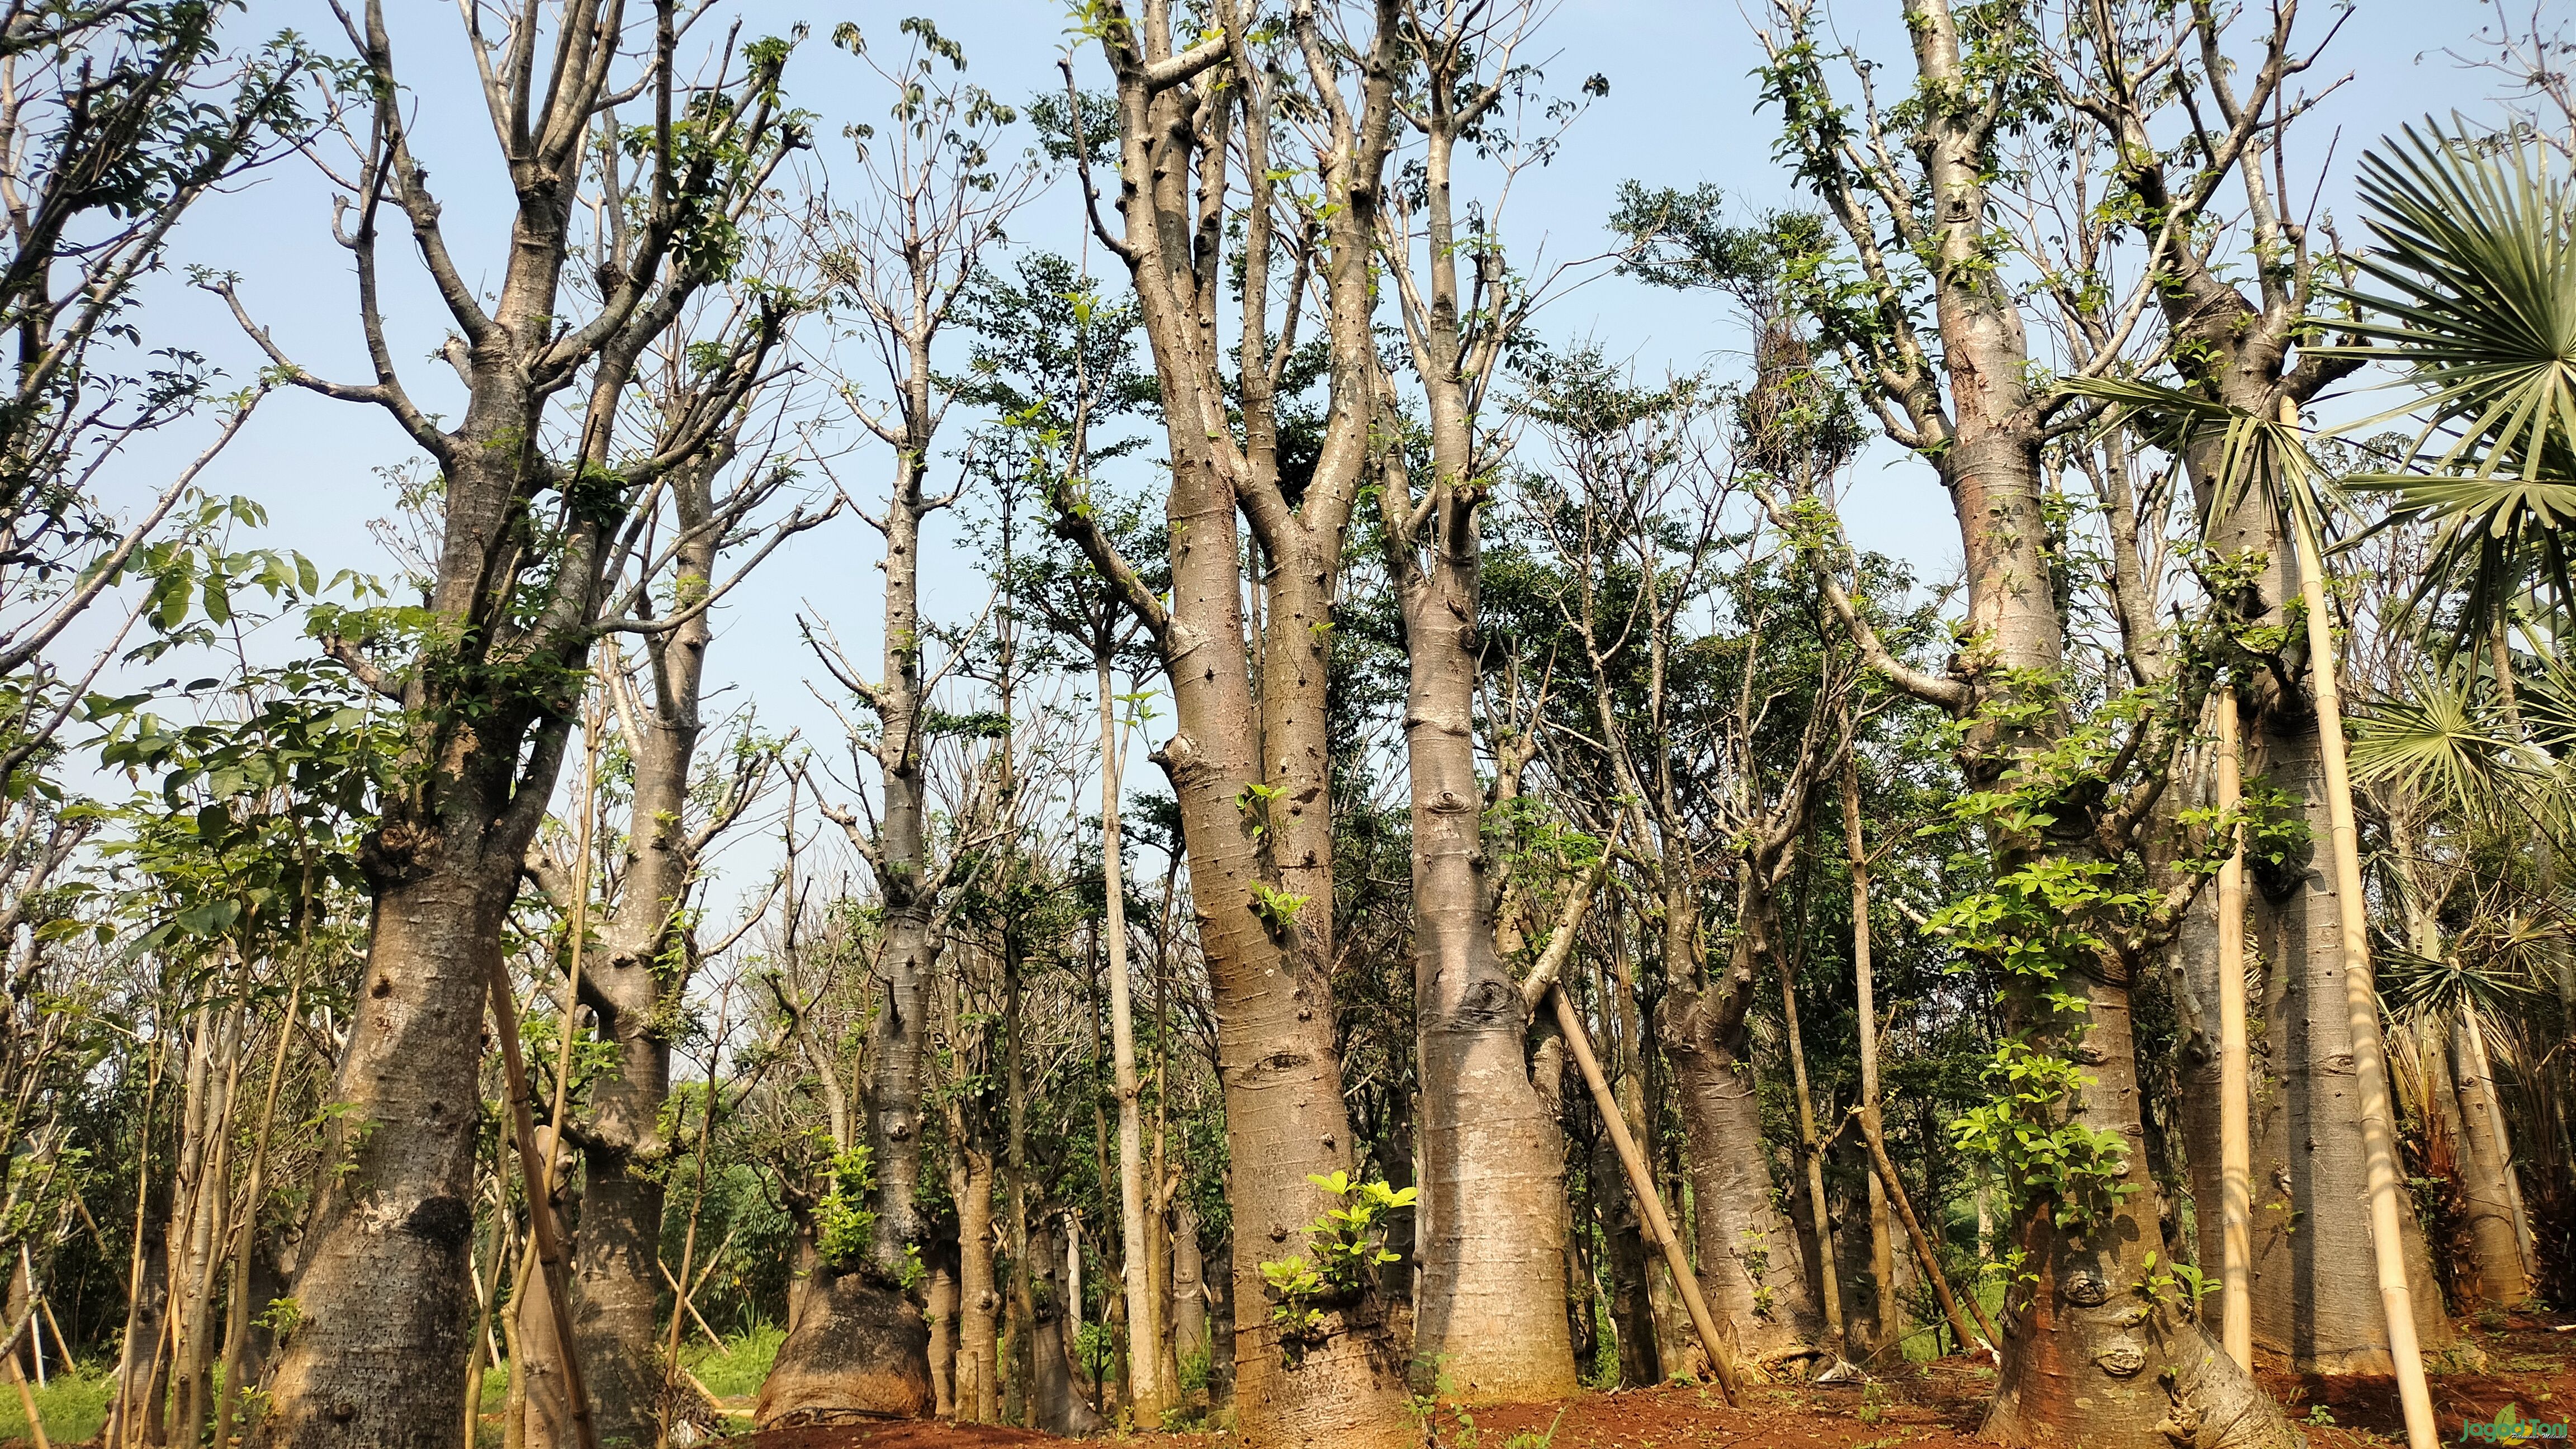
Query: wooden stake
{"x": 1876, "y": 1141}
{"x": 1882, "y": 1256}
{"x": 541, "y": 1208}
{"x": 27, "y": 1401}
{"x": 2235, "y": 1143}
{"x": 237, "y": 1307}
{"x": 1642, "y": 1182}
{"x": 2361, "y": 995}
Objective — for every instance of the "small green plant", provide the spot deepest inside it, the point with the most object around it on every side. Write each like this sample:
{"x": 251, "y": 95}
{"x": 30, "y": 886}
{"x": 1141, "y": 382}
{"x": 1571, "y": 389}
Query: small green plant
{"x": 280, "y": 1317}
{"x": 2176, "y": 1284}
{"x": 843, "y": 1228}
{"x": 1532, "y": 1439}
{"x": 1254, "y": 802}
{"x": 1873, "y": 1404}
{"x": 1277, "y": 909}
{"x": 1348, "y": 1243}
{"x": 1296, "y": 1287}
{"x": 2320, "y": 1415}
{"x": 1095, "y": 1349}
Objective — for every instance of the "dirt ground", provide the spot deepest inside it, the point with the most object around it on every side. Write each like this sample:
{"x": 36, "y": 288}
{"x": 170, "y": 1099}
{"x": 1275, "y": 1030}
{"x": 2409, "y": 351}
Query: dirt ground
{"x": 2527, "y": 1363}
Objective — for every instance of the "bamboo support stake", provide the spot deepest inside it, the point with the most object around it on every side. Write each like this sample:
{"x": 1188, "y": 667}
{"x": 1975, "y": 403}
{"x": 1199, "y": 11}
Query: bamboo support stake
{"x": 1811, "y": 1146}
{"x": 1642, "y": 1182}
{"x": 2361, "y": 996}
{"x": 539, "y": 1169}
{"x": 2235, "y": 1149}
{"x": 484, "y": 1348}
{"x": 237, "y": 1304}
{"x": 698, "y": 1198}
{"x": 1904, "y": 1205}
{"x": 27, "y": 1402}
{"x": 580, "y": 938}
{"x": 541, "y": 1208}
{"x": 35, "y": 1326}
{"x": 1882, "y": 1256}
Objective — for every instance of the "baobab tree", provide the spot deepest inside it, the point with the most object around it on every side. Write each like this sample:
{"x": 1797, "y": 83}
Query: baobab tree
{"x": 537, "y": 518}
{"x": 1250, "y": 759}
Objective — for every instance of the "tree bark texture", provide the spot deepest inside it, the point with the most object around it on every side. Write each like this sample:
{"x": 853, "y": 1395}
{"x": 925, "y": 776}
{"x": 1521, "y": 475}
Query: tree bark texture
{"x": 1492, "y": 1166}
{"x": 1750, "y": 1262}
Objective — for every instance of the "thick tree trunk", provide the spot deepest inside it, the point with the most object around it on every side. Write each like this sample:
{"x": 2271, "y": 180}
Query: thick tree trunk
{"x": 2091, "y": 1354}
{"x": 1251, "y": 766}
{"x": 941, "y": 1295}
{"x": 2495, "y": 1198}
{"x": 854, "y": 1344}
{"x": 379, "y": 1356}
{"x": 1055, "y": 1407}
{"x": 2316, "y": 1297}
{"x": 979, "y": 1297}
{"x": 1493, "y": 1172}
{"x": 1750, "y": 1266}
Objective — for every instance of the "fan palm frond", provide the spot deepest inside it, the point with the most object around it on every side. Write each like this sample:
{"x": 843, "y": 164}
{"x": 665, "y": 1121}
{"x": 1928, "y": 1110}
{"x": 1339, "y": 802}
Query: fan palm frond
{"x": 2470, "y": 286}
{"x": 2413, "y": 987}
{"x": 2439, "y": 742}
{"x": 2256, "y": 453}
{"x": 2475, "y": 261}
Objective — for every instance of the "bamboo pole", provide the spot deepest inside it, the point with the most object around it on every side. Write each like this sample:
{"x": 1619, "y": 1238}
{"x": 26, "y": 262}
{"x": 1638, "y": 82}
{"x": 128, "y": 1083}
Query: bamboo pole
{"x": 697, "y": 1207}
{"x": 483, "y": 1349}
{"x": 1811, "y": 1146}
{"x": 1148, "y": 1396}
{"x": 237, "y": 1305}
{"x": 1642, "y": 1182}
{"x": 27, "y": 1401}
{"x": 541, "y": 1210}
{"x": 2361, "y": 995}
{"x": 2235, "y": 1143}
{"x": 540, "y": 1170}
{"x": 1882, "y": 1253}
{"x": 1876, "y": 1141}
{"x": 116, "y": 1433}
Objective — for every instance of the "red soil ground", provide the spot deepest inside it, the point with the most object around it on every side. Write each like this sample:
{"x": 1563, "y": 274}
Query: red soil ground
{"x": 1933, "y": 1406}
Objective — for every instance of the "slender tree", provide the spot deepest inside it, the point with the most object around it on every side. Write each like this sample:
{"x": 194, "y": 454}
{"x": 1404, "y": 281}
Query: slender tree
{"x": 1490, "y": 1224}
{"x": 897, "y": 257}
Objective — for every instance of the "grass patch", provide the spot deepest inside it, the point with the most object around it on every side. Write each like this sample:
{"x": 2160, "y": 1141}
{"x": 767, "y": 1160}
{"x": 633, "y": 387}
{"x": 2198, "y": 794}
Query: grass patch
{"x": 73, "y": 1405}
{"x": 737, "y": 1371}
